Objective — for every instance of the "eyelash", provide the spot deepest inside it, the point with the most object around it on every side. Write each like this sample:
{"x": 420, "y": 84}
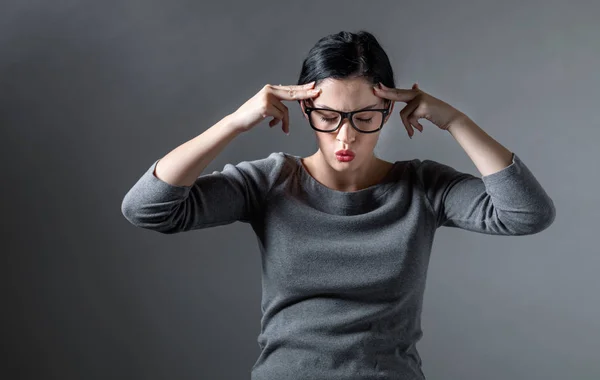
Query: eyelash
{"x": 331, "y": 119}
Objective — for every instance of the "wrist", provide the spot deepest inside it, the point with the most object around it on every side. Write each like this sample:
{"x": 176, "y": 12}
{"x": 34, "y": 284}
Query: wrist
{"x": 459, "y": 121}
{"x": 229, "y": 124}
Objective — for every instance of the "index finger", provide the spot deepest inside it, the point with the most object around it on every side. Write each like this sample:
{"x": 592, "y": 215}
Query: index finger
{"x": 397, "y": 94}
{"x": 296, "y": 92}
{"x": 300, "y": 86}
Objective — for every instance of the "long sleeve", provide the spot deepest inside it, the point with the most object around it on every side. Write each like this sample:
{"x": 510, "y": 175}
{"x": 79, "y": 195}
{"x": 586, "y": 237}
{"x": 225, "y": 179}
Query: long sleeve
{"x": 234, "y": 194}
{"x": 508, "y": 202}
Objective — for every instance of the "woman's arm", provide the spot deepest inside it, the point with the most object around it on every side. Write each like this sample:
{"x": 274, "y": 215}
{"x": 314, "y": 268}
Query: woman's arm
{"x": 184, "y": 164}
{"x": 488, "y": 155}
{"x": 506, "y": 200}
{"x": 173, "y": 195}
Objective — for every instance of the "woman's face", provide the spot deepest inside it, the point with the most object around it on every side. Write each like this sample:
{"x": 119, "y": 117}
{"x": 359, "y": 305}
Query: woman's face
{"x": 346, "y": 95}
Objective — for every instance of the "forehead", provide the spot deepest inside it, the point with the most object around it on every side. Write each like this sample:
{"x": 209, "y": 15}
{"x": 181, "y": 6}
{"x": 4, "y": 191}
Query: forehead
{"x": 346, "y": 94}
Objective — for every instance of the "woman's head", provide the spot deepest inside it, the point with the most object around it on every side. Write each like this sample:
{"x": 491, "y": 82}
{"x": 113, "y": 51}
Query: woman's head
{"x": 346, "y": 66}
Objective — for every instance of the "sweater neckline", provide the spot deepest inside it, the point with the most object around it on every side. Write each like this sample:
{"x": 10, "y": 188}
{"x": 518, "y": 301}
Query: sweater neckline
{"x": 344, "y": 199}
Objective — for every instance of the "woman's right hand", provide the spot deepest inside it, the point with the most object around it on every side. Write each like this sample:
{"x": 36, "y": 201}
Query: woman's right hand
{"x": 267, "y": 102}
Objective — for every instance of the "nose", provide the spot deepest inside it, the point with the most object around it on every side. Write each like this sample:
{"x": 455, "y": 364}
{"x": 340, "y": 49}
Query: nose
{"x": 346, "y": 132}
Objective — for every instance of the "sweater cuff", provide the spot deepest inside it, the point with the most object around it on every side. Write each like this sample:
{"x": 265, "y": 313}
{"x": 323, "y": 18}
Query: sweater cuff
{"x": 161, "y": 186}
{"x": 511, "y": 170}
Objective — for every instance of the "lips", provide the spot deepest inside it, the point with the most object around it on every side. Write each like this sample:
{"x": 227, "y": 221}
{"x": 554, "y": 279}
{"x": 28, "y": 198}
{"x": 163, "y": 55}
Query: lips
{"x": 345, "y": 152}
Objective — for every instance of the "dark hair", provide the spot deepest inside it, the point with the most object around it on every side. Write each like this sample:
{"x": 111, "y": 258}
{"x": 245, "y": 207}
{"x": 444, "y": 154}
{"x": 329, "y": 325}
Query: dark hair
{"x": 347, "y": 55}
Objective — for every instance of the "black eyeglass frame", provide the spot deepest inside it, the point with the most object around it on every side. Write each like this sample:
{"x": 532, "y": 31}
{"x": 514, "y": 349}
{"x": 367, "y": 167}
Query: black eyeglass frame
{"x": 349, "y": 115}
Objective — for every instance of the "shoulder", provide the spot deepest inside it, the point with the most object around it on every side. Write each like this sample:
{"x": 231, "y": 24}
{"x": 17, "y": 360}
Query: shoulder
{"x": 427, "y": 164}
{"x": 437, "y": 176}
{"x": 263, "y": 172}
{"x": 274, "y": 163}
{"x": 265, "y": 165}
{"x": 428, "y": 168}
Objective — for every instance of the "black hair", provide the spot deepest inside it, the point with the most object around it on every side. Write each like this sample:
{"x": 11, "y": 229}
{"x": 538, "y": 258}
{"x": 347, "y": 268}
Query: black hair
{"x": 347, "y": 55}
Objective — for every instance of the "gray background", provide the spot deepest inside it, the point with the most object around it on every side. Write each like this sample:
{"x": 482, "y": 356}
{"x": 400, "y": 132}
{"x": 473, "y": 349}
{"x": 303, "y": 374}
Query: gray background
{"x": 91, "y": 93}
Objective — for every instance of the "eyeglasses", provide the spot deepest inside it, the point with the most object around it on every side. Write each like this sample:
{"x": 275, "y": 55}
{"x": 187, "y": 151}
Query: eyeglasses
{"x": 328, "y": 120}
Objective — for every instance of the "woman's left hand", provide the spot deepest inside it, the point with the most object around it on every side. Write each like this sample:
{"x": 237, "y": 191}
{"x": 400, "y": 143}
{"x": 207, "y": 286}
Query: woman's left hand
{"x": 420, "y": 104}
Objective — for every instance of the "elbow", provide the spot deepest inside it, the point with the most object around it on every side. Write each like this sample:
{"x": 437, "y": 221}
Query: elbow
{"x": 128, "y": 208}
{"x": 128, "y": 212}
{"x": 547, "y": 217}
{"x": 541, "y": 220}
{"x": 526, "y": 222}
{"x": 136, "y": 218}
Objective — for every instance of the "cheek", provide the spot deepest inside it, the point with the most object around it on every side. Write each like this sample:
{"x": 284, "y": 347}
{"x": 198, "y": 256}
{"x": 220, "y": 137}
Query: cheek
{"x": 368, "y": 142}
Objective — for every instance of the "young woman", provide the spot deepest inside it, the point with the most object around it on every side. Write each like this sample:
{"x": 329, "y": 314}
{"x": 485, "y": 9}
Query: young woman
{"x": 345, "y": 236}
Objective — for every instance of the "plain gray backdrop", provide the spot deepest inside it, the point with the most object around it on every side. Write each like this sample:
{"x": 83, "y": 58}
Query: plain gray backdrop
{"x": 92, "y": 93}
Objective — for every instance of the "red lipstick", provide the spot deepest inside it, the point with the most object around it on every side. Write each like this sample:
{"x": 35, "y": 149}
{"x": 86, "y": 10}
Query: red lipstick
{"x": 344, "y": 155}
{"x": 344, "y": 152}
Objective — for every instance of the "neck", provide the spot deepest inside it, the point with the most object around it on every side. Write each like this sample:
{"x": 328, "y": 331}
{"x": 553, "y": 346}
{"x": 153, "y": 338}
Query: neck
{"x": 370, "y": 172}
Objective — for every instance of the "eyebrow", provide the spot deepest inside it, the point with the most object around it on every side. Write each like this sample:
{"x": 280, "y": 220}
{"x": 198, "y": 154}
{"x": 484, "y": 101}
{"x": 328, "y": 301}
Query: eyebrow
{"x": 329, "y": 108}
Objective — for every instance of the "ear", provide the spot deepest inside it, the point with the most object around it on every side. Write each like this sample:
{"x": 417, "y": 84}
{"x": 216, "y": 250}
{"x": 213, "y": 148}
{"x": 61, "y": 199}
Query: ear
{"x": 390, "y": 106}
{"x": 302, "y": 108}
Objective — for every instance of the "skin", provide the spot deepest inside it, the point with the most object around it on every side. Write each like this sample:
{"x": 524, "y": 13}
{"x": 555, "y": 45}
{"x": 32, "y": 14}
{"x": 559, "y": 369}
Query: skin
{"x": 365, "y": 169}
{"x": 184, "y": 164}
{"x": 488, "y": 155}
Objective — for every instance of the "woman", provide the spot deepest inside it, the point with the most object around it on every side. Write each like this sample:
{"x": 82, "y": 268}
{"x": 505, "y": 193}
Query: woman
{"x": 345, "y": 236}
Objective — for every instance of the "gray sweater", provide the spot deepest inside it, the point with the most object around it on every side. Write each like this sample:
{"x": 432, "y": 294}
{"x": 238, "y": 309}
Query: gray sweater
{"x": 343, "y": 273}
